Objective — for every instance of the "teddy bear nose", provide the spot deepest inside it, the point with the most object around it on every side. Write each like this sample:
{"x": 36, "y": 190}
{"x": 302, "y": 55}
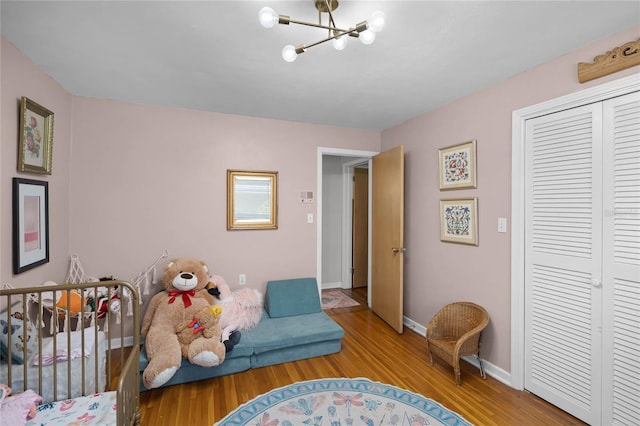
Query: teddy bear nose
{"x": 186, "y": 276}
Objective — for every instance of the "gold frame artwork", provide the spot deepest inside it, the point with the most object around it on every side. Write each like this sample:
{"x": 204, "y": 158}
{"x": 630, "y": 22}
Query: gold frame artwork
{"x": 35, "y": 145}
{"x": 459, "y": 221}
{"x": 457, "y": 166}
{"x": 252, "y": 200}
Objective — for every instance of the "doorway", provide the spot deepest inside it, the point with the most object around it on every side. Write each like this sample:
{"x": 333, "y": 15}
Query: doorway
{"x": 360, "y": 228}
{"x": 334, "y": 216}
{"x": 385, "y": 239}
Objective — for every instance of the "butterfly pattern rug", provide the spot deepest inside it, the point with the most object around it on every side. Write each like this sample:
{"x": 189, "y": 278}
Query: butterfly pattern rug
{"x": 341, "y": 402}
{"x": 332, "y": 299}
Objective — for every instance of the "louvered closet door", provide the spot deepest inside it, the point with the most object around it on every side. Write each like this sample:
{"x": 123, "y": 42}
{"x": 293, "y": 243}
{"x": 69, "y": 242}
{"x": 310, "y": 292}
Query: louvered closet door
{"x": 621, "y": 261}
{"x": 563, "y": 260}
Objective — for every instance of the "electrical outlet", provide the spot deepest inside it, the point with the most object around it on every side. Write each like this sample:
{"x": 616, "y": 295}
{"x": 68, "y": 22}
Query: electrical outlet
{"x": 242, "y": 279}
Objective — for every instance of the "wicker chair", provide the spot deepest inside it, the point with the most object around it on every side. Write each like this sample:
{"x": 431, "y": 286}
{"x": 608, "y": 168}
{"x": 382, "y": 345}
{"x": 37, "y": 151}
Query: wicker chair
{"x": 454, "y": 332}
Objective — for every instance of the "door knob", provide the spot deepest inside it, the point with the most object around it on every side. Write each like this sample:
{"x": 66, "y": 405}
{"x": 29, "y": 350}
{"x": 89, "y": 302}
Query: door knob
{"x": 397, "y": 250}
{"x": 596, "y": 282}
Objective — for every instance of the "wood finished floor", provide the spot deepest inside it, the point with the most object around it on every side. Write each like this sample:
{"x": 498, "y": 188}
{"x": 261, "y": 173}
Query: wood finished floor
{"x": 369, "y": 349}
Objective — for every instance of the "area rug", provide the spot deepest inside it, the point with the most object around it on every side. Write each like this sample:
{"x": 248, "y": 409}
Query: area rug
{"x": 332, "y": 299}
{"x": 341, "y": 402}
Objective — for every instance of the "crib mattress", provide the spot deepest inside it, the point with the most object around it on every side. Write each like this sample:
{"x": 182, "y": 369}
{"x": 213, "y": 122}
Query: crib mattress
{"x": 96, "y": 409}
{"x": 62, "y": 373}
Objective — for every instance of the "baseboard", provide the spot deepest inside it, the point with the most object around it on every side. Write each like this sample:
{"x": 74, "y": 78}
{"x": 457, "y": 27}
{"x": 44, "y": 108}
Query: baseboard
{"x": 494, "y": 371}
{"x": 327, "y": 286}
{"x": 126, "y": 342}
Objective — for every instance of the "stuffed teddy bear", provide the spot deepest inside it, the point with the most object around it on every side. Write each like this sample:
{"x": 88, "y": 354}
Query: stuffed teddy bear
{"x": 183, "y": 298}
{"x": 241, "y": 309}
{"x": 204, "y": 323}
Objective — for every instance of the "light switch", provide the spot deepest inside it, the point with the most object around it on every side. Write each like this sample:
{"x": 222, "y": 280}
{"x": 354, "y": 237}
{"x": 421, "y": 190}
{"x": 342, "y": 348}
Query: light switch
{"x": 310, "y": 218}
{"x": 502, "y": 224}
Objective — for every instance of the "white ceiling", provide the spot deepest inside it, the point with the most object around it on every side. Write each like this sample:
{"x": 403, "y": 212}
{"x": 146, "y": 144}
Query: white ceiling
{"x": 215, "y": 56}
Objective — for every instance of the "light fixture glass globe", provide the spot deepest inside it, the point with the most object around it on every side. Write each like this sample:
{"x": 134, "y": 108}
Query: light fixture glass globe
{"x": 376, "y": 21}
{"x": 289, "y": 53}
{"x": 339, "y": 43}
{"x": 367, "y": 37}
{"x": 267, "y": 17}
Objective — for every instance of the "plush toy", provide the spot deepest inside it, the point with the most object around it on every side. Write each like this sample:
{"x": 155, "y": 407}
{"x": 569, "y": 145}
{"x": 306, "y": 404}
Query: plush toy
{"x": 183, "y": 298}
{"x": 241, "y": 309}
{"x": 106, "y": 299}
{"x": 204, "y": 323}
{"x": 17, "y": 409}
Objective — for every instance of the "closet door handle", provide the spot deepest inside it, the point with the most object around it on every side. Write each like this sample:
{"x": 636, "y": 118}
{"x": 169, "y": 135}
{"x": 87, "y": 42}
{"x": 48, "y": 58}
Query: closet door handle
{"x": 596, "y": 282}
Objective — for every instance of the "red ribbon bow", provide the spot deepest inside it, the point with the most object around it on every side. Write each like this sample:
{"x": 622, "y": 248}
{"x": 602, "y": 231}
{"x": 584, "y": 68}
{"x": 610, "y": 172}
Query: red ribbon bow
{"x": 185, "y": 297}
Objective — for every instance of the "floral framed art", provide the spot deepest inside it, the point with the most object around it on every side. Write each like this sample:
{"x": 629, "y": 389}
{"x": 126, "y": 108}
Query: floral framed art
{"x": 30, "y": 224}
{"x": 459, "y": 221}
{"x": 35, "y": 145}
{"x": 457, "y": 165}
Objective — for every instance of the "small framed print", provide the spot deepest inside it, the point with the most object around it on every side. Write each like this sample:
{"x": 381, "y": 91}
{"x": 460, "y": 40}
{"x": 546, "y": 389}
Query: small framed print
{"x": 36, "y": 138}
{"x": 458, "y": 166}
{"x": 459, "y": 221}
{"x": 252, "y": 200}
{"x": 30, "y": 224}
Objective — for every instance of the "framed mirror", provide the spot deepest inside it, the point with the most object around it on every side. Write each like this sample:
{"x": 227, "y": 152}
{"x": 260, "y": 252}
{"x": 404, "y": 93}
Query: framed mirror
{"x": 252, "y": 200}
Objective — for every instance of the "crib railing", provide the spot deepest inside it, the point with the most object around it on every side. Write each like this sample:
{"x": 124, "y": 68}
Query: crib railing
{"x": 72, "y": 317}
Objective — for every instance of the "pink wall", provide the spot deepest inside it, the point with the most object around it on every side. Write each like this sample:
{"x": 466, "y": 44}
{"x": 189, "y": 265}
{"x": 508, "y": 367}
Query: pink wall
{"x": 136, "y": 180}
{"x": 20, "y": 77}
{"x": 145, "y": 179}
{"x": 438, "y": 273}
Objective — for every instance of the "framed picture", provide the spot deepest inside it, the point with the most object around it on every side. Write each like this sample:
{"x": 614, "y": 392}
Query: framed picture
{"x": 30, "y": 224}
{"x": 459, "y": 221}
{"x": 252, "y": 200}
{"x": 36, "y": 138}
{"x": 458, "y": 166}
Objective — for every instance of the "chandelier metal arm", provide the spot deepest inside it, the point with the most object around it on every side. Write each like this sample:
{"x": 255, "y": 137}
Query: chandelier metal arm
{"x": 332, "y": 23}
{"x": 285, "y": 20}
{"x": 352, "y": 32}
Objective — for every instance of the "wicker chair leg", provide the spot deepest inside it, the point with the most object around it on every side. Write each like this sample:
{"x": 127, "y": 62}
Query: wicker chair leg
{"x": 456, "y": 371}
{"x": 483, "y": 373}
{"x": 430, "y": 354}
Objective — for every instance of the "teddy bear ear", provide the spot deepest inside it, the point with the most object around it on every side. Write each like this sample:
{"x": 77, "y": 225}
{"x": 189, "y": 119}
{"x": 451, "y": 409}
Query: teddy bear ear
{"x": 170, "y": 264}
{"x": 205, "y": 267}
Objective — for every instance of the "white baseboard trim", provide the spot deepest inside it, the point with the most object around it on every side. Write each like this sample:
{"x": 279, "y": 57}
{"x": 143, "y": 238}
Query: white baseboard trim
{"x": 127, "y": 342}
{"x": 494, "y": 371}
{"x": 327, "y": 286}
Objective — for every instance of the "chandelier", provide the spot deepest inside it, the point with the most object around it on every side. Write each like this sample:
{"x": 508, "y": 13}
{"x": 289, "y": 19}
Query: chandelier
{"x": 365, "y": 30}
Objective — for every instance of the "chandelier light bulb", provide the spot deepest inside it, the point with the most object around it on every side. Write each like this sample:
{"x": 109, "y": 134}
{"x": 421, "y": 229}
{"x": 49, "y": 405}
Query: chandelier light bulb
{"x": 339, "y": 43}
{"x": 289, "y": 53}
{"x": 376, "y": 21}
{"x": 367, "y": 37}
{"x": 267, "y": 17}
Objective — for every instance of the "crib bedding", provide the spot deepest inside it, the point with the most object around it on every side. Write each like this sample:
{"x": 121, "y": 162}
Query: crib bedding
{"x": 96, "y": 409}
{"x": 62, "y": 374}
{"x": 94, "y": 384}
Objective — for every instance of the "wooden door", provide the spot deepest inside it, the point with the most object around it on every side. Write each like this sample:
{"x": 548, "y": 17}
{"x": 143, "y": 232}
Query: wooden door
{"x": 360, "y": 227}
{"x": 388, "y": 236}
